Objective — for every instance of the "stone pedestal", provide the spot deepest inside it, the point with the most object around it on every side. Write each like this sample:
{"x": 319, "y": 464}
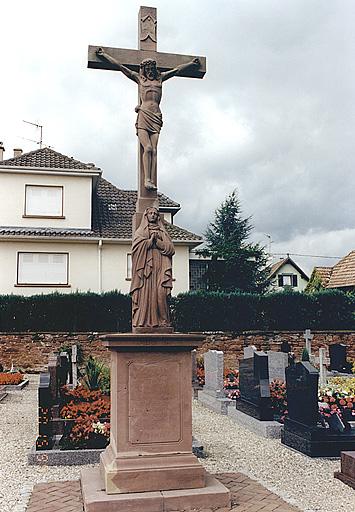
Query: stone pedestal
{"x": 150, "y": 447}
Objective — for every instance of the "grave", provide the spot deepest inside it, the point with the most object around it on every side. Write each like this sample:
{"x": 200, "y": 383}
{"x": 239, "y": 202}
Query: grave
{"x": 286, "y": 347}
{"x": 254, "y": 387}
{"x": 304, "y": 429}
{"x": 278, "y": 362}
{"x": 213, "y": 395}
{"x": 253, "y": 408}
{"x": 338, "y": 362}
{"x": 45, "y": 431}
{"x": 149, "y": 464}
{"x": 347, "y": 471}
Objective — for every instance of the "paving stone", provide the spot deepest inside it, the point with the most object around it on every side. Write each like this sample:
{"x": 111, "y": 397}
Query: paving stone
{"x": 246, "y": 495}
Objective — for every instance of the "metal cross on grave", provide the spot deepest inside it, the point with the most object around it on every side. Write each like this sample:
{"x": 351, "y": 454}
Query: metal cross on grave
{"x": 149, "y": 119}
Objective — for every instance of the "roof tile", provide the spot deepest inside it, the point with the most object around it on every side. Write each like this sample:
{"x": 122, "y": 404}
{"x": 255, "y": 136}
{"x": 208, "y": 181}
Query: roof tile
{"x": 47, "y": 157}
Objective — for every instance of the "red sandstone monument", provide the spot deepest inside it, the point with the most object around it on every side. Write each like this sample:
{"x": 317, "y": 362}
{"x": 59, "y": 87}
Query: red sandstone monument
{"x": 149, "y": 465}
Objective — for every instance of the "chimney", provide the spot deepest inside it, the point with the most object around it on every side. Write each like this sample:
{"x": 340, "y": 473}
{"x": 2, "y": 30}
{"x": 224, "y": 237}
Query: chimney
{"x": 2, "y": 149}
{"x": 17, "y": 152}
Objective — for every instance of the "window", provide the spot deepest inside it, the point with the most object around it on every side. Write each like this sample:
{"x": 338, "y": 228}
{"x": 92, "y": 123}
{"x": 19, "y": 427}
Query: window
{"x": 129, "y": 266}
{"x": 42, "y": 268}
{"x": 43, "y": 201}
{"x": 288, "y": 280}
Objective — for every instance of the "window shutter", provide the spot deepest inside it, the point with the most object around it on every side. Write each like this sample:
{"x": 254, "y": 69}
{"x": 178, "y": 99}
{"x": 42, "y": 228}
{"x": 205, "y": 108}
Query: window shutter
{"x": 294, "y": 280}
{"x": 281, "y": 283}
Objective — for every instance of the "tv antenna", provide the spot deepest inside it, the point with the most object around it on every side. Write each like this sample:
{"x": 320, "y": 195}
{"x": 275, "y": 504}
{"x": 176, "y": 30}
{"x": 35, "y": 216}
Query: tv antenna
{"x": 40, "y": 142}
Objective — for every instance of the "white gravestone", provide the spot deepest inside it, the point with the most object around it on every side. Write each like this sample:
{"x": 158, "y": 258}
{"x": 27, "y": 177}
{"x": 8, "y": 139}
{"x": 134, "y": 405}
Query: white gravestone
{"x": 278, "y": 362}
{"x": 214, "y": 368}
{"x": 74, "y": 365}
{"x": 249, "y": 351}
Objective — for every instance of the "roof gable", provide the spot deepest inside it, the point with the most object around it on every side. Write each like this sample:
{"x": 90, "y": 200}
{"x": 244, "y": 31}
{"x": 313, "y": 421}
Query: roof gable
{"x": 343, "y": 273}
{"x": 279, "y": 264}
{"x": 49, "y": 159}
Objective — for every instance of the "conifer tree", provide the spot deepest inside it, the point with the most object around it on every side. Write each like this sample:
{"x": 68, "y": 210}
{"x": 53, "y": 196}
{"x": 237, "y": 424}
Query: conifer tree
{"x": 236, "y": 264}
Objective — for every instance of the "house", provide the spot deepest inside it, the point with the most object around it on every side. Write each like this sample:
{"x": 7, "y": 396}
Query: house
{"x": 340, "y": 276}
{"x": 286, "y": 274}
{"x": 64, "y": 228}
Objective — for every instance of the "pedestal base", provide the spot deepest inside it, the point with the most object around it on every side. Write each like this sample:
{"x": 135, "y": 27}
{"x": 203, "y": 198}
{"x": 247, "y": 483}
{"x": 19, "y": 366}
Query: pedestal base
{"x": 213, "y": 495}
{"x": 149, "y": 472}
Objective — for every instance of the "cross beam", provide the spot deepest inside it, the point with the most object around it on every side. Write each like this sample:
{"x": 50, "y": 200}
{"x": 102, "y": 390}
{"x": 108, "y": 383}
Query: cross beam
{"x": 132, "y": 59}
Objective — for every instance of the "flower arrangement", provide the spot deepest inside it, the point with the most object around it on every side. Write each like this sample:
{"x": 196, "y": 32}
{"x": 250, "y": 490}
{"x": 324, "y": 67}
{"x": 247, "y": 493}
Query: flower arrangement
{"x": 338, "y": 397}
{"x": 88, "y": 415}
{"x": 231, "y": 384}
{"x": 200, "y": 371}
{"x": 279, "y": 399}
{"x": 7, "y": 378}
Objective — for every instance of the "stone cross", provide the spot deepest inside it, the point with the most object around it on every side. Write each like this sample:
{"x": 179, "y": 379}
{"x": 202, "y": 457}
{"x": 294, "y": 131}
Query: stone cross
{"x": 308, "y": 337}
{"x": 129, "y": 62}
{"x": 323, "y": 361}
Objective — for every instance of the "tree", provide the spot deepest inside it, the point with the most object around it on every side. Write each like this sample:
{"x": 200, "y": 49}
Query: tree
{"x": 236, "y": 264}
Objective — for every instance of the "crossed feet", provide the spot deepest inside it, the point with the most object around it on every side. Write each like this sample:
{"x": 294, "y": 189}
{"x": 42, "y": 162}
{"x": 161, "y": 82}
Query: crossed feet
{"x": 149, "y": 185}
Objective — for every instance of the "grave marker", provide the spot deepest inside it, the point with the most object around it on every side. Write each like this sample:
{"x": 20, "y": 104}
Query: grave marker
{"x": 254, "y": 387}
{"x": 278, "y": 362}
{"x": 338, "y": 362}
{"x": 45, "y": 433}
{"x": 249, "y": 351}
{"x": 74, "y": 365}
{"x": 214, "y": 367}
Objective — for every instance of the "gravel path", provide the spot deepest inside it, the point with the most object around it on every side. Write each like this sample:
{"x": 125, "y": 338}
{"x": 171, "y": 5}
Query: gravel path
{"x": 18, "y": 431}
{"x": 304, "y": 482}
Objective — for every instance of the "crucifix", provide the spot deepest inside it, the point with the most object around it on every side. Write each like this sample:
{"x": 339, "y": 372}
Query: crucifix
{"x": 149, "y": 69}
{"x": 152, "y": 248}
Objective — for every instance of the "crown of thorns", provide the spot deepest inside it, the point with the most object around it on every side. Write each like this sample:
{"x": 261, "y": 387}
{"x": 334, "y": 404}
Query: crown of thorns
{"x": 147, "y": 61}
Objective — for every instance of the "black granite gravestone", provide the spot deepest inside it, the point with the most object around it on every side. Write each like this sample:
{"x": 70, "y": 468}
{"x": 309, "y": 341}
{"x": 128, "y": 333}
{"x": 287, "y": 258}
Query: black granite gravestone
{"x": 254, "y": 387}
{"x": 302, "y": 393}
{"x": 45, "y": 434}
{"x": 285, "y": 347}
{"x": 303, "y": 429}
{"x": 338, "y": 362}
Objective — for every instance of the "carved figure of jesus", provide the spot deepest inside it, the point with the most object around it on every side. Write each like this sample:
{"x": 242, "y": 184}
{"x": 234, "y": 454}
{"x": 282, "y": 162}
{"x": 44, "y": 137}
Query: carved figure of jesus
{"x": 149, "y": 119}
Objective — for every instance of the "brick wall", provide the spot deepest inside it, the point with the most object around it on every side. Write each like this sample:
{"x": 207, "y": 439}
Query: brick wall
{"x": 232, "y": 344}
{"x": 30, "y": 351}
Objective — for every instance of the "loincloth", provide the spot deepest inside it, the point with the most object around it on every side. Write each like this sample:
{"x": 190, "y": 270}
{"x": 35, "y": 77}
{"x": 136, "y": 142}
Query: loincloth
{"x": 149, "y": 121}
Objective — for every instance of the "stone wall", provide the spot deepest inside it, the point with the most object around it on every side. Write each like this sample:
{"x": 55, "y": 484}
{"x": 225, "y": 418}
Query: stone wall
{"x": 30, "y": 351}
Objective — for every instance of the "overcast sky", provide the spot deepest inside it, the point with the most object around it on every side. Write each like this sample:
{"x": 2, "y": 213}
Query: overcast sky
{"x": 274, "y": 116}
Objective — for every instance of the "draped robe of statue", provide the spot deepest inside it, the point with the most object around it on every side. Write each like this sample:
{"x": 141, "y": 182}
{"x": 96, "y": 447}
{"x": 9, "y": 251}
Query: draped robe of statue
{"x": 151, "y": 274}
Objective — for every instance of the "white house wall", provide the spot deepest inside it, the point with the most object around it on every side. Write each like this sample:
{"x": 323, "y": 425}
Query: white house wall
{"x": 84, "y": 267}
{"x": 289, "y": 269}
{"x": 77, "y": 191}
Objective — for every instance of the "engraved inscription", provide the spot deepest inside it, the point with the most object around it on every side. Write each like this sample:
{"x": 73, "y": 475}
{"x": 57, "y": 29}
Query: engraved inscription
{"x": 154, "y": 402}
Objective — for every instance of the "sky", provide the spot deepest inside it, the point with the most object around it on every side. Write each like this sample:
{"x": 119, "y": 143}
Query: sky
{"x": 273, "y": 118}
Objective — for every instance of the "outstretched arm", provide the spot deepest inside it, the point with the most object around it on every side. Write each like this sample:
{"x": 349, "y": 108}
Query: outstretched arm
{"x": 195, "y": 63}
{"x": 132, "y": 75}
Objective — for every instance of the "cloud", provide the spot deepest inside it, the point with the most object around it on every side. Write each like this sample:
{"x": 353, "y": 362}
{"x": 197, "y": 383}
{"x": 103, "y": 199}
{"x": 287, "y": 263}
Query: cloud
{"x": 274, "y": 116}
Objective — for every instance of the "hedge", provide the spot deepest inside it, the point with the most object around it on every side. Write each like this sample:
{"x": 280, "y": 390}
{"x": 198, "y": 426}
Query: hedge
{"x": 193, "y": 311}
{"x": 66, "y": 312}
